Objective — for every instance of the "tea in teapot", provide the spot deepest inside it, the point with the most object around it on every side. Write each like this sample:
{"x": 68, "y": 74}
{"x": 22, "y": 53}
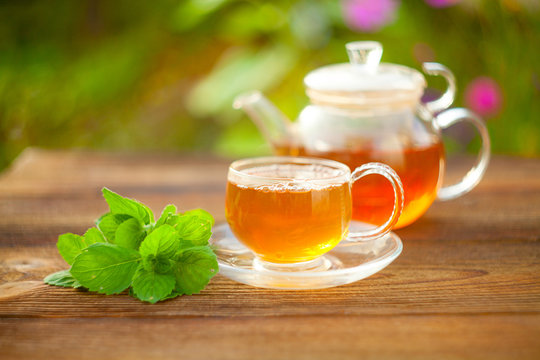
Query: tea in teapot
{"x": 418, "y": 167}
{"x": 367, "y": 111}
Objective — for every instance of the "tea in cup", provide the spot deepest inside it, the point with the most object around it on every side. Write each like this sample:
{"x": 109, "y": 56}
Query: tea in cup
{"x": 291, "y": 210}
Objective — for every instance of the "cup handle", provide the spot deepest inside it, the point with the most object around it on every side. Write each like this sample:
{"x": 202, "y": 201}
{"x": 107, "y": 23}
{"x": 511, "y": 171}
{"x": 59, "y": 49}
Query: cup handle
{"x": 393, "y": 178}
{"x": 473, "y": 177}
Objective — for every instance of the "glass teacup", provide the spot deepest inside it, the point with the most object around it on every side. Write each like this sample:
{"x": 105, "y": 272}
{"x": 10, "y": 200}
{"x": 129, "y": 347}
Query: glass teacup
{"x": 289, "y": 211}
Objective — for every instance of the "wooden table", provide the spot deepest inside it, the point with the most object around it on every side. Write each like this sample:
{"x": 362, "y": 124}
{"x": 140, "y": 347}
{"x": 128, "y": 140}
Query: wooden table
{"x": 467, "y": 284}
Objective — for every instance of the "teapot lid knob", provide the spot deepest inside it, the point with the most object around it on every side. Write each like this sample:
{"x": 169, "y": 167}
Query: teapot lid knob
{"x": 365, "y": 53}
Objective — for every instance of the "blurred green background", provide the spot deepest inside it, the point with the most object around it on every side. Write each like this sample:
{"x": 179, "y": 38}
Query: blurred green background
{"x": 161, "y": 75}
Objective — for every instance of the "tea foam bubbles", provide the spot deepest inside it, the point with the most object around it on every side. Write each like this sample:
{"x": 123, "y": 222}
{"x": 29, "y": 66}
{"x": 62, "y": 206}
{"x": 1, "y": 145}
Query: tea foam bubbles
{"x": 291, "y": 177}
{"x": 294, "y": 172}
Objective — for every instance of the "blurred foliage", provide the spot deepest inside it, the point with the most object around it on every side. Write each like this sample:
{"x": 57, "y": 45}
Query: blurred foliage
{"x": 162, "y": 75}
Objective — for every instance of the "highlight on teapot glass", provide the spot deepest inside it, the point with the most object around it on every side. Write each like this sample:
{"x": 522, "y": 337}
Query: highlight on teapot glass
{"x": 368, "y": 111}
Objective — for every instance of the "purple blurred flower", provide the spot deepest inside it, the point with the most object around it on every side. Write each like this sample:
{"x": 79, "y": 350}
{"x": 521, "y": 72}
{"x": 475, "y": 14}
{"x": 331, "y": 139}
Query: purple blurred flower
{"x": 430, "y": 94}
{"x": 441, "y": 3}
{"x": 484, "y": 96}
{"x": 369, "y": 15}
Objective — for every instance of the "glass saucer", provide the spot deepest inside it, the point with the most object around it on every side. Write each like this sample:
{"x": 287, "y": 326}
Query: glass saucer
{"x": 344, "y": 264}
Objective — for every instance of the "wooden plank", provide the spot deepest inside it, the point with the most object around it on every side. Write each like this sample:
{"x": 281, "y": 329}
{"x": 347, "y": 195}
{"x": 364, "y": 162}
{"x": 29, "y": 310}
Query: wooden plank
{"x": 63, "y": 173}
{"x": 300, "y": 337}
{"x": 37, "y": 202}
{"x": 427, "y": 278}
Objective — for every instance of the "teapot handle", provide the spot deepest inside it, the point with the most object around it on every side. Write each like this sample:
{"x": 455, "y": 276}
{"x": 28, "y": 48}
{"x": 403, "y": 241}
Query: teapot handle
{"x": 473, "y": 177}
{"x": 446, "y": 99}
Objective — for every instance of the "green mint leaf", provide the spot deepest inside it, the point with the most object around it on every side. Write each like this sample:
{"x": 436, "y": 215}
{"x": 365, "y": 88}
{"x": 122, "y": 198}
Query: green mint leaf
{"x": 105, "y": 268}
{"x": 62, "y": 278}
{"x": 203, "y": 214}
{"x": 168, "y": 211}
{"x": 162, "y": 241}
{"x": 108, "y": 224}
{"x": 70, "y": 245}
{"x": 194, "y": 229}
{"x": 172, "y": 220}
{"x": 93, "y": 235}
{"x": 159, "y": 264}
{"x": 121, "y": 205}
{"x": 129, "y": 234}
{"x": 152, "y": 287}
{"x": 194, "y": 268}
{"x": 172, "y": 295}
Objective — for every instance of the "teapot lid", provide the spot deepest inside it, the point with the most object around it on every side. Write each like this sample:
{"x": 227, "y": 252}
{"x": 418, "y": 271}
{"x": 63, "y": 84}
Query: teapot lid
{"x": 365, "y": 82}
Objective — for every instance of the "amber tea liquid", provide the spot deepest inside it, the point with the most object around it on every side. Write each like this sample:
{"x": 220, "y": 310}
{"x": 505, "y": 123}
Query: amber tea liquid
{"x": 418, "y": 167}
{"x": 288, "y": 222}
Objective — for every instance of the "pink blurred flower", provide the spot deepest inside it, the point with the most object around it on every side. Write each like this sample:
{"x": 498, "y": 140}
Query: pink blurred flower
{"x": 484, "y": 96}
{"x": 441, "y": 3}
{"x": 369, "y": 15}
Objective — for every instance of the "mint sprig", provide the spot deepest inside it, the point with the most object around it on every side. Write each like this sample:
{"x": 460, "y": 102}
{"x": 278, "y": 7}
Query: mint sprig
{"x": 128, "y": 250}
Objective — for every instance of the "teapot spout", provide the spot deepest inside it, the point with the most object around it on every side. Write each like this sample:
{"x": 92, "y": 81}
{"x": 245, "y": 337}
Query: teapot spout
{"x": 275, "y": 126}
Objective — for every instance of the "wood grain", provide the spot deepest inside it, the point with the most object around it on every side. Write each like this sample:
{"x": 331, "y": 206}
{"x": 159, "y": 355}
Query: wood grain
{"x": 295, "y": 337}
{"x": 419, "y": 282}
{"x": 467, "y": 284}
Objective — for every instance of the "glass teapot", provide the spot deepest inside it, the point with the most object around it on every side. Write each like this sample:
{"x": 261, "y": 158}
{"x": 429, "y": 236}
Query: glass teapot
{"x": 366, "y": 111}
